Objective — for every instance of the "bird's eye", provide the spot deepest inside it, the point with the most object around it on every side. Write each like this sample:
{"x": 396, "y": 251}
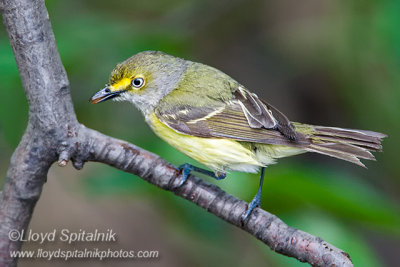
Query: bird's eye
{"x": 137, "y": 82}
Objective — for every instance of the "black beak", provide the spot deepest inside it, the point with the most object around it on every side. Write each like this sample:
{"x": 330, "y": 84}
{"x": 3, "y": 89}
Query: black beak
{"x": 103, "y": 95}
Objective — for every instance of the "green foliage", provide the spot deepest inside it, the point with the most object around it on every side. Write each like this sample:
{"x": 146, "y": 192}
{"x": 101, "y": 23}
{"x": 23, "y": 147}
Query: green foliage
{"x": 335, "y": 192}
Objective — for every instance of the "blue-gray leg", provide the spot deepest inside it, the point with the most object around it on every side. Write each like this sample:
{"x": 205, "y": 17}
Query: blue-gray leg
{"x": 187, "y": 168}
{"x": 257, "y": 198}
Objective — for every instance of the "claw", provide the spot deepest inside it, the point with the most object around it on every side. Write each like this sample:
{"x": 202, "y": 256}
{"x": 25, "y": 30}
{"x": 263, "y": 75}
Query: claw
{"x": 185, "y": 169}
{"x": 253, "y": 204}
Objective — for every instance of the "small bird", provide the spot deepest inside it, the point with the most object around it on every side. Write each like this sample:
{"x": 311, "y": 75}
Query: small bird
{"x": 215, "y": 120}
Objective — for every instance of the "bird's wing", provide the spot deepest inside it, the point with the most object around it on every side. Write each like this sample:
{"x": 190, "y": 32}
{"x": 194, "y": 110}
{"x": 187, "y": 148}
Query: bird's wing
{"x": 243, "y": 118}
{"x": 260, "y": 114}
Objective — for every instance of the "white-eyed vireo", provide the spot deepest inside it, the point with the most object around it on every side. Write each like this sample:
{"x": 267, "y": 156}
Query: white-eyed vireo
{"x": 212, "y": 118}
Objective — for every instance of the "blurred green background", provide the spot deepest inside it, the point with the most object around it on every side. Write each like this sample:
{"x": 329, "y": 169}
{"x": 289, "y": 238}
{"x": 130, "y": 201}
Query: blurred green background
{"x": 334, "y": 63}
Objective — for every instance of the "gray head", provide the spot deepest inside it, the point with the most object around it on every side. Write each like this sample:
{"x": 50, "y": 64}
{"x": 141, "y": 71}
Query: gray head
{"x": 143, "y": 79}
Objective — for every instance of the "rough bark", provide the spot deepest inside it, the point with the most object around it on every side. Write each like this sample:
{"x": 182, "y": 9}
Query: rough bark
{"x": 54, "y": 134}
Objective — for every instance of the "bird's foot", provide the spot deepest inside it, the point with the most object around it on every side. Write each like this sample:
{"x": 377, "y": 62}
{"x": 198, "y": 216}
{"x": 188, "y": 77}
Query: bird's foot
{"x": 185, "y": 170}
{"x": 253, "y": 204}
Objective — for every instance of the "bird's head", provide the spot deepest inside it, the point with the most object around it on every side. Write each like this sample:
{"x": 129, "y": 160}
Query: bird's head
{"x": 143, "y": 79}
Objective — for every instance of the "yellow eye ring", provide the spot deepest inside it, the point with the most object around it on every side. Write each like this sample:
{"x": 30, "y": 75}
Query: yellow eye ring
{"x": 138, "y": 82}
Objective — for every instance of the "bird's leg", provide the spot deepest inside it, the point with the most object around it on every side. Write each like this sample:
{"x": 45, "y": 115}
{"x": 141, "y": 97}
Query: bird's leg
{"x": 187, "y": 168}
{"x": 257, "y": 198}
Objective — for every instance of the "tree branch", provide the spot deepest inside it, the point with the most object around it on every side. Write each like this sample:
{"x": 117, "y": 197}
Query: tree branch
{"x": 53, "y": 134}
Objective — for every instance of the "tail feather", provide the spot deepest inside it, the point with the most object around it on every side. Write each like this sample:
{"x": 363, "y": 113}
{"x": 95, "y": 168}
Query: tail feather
{"x": 374, "y": 147}
{"x": 336, "y": 154}
{"x": 347, "y": 148}
{"x": 345, "y": 144}
{"x": 368, "y": 139}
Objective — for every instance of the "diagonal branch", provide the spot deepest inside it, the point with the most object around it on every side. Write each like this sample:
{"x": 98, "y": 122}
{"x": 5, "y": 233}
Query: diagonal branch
{"x": 53, "y": 133}
{"x": 263, "y": 225}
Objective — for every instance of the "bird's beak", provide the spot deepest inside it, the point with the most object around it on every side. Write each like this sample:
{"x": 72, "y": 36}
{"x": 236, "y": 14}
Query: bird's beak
{"x": 103, "y": 95}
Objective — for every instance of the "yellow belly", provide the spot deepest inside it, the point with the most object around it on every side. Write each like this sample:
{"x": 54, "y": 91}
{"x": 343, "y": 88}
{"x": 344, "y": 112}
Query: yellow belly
{"x": 216, "y": 153}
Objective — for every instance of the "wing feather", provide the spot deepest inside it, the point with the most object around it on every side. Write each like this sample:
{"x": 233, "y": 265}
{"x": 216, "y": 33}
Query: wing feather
{"x": 255, "y": 111}
{"x": 225, "y": 121}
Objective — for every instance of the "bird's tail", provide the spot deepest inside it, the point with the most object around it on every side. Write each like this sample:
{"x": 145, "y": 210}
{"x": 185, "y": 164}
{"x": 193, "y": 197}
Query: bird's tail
{"x": 346, "y": 144}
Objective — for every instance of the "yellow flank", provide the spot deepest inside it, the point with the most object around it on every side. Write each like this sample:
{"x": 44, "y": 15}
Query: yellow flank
{"x": 120, "y": 85}
{"x": 216, "y": 153}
